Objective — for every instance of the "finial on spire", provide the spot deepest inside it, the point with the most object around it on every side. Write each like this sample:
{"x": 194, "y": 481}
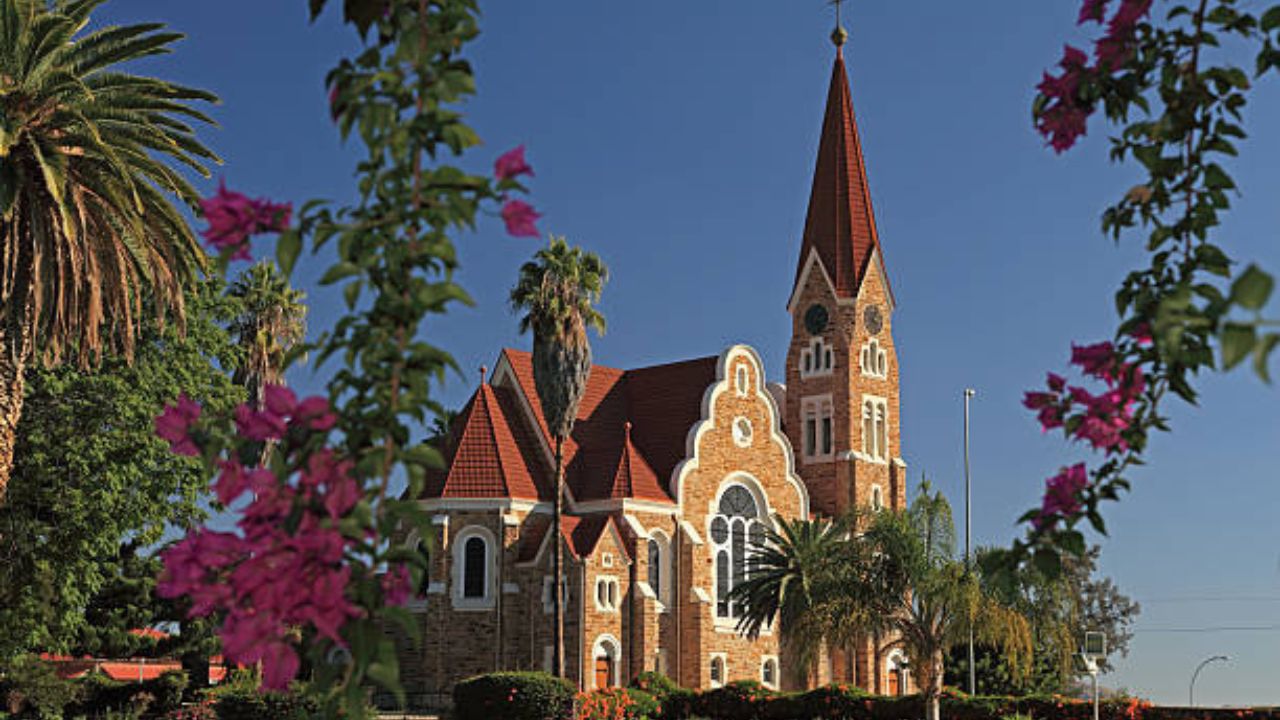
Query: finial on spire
{"x": 839, "y": 35}
{"x": 484, "y": 370}
{"x": 627, "y": 427}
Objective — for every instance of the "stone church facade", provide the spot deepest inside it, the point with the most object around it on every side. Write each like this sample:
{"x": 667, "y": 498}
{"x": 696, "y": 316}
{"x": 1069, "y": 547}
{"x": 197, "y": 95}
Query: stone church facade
{"x": 671, "y": 473}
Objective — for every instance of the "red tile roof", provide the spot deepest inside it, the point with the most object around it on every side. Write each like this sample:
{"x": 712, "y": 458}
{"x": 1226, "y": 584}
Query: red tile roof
{"x": 582, "y": 534}
{"x": 840, "y": 224}
{"x": 662, "y": 403}
{"x": 485, "y": 459}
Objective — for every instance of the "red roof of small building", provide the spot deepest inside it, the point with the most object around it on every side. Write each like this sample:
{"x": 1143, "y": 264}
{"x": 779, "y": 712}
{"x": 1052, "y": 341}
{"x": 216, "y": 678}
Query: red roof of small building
{"x": 488, "y": 456}
{"x": 840, "y": 224}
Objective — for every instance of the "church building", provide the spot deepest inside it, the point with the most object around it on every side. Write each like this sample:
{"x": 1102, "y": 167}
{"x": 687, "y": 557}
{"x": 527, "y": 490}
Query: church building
{"x": 671, "y": 472}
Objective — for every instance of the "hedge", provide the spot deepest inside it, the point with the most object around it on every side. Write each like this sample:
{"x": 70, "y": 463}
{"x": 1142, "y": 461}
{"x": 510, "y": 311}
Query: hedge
{"x": 513, "y": 696}
{"x": 253, "y": 704}
{"x": 616, "y": 704}
{"x": 32, "y": 689}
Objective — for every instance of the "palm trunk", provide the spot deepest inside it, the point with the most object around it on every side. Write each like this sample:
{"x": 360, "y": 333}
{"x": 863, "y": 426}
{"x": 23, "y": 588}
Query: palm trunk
{"x": 557, "y": 564}
{"x": 15, "y": 349}
{"x": 931, "y": 688}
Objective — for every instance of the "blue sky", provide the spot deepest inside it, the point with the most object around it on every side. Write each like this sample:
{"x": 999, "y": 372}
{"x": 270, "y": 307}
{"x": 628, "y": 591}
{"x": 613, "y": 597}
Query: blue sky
{"x": 677, "y": 140}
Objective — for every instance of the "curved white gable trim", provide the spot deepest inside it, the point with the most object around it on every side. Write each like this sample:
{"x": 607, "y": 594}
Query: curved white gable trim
{"x": 723, "y": 384}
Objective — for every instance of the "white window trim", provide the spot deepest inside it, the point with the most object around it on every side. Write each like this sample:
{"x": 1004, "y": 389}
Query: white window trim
{"x": 895, "y": 661}
{"x": 763, "y": 512}
{"x": 869, "y": 359}
{"x": 882, "y": 403}
{"x": 742, "y": 431}
{"x": 459, "y": 545}
{"x": 742, "y": 380}
{"x": 724, "y": 667}
{"x": 615, "y": 656}
{"x": 418, "y": 602}
{"x": 610, "y": 581}
{"x": 816, "y": 354}
{"x": 777, "y": 668}
{"x": 877, "y": 497}
{"x": 818, "y": 407}
{"x": 664, "y": 569}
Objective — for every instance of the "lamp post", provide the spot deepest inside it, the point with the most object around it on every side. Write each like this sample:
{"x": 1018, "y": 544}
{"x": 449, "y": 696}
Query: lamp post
{"x": 968, "y": 394}
{"x": 1191, "y": 692}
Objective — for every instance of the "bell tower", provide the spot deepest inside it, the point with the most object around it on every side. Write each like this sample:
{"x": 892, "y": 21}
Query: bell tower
{"x": 842, "y": 402}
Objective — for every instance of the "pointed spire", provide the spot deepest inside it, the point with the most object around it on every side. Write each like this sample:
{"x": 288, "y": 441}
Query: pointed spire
{"x": 840, "y": 224}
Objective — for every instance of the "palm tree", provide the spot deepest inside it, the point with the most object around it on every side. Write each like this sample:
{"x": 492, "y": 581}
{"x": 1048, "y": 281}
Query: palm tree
{"x": 88, "y": 232}
{"x": 270, "y": 321}
{"x": 557, "y": 292}
{"x": 897, "y": 579}
{"x": 797, "y": 577}
{"x": 925, "y": 600}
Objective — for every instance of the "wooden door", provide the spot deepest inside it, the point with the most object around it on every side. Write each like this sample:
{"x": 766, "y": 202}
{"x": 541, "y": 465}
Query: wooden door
{"x": 604, "y": 672}
{"x": 895, "y": 682}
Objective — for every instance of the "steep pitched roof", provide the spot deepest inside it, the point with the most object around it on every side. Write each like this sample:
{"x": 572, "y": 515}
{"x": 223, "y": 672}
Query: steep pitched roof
{"x": 484, "y": 459}
{"x": 602, "y": 460}
{"x": 840, "y": 224}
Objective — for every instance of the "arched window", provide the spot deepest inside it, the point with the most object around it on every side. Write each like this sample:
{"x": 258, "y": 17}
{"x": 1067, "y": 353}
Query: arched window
{"x": 817, "y": 359}
{"x": 473, "y": 576}
{"x": 737, "y": 519}
{"x": 877, "y": 498}
{"x": 424, "y": 550}
{"x": 769, "y": 672}
{"x": 658, "y": 566}
{"x": 743, "y": 380}
{"x": 717, "y": 670}
{"x": 474, "y": 570}
{"x": 875, "y": 361}
{"x": 875, "y": 428}
{"x": 607, "y": 594}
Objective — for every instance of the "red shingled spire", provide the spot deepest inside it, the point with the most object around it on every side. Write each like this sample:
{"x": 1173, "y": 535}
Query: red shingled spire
{"x": 840, "y": 224}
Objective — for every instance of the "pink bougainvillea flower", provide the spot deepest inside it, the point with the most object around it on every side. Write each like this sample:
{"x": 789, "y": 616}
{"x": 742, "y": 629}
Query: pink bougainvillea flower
{"x": 174, "y": 424}
{"x": 257, "y": 425}
{"x": 1062, "y": 491}
{"x": 1098, "y": 360}
{"x": 520, "y": 218}
{"x": 1064, "y": 117}
{"x": 1141, "y": 334}
{"x": 314, "y": 413}
{"x": 234, "y": 217}
{"x": 1094, "y": 10}
{"x": 279, "y": 400}
{"x": 397, "y": 586}
{"x": 511, "y": 165}
{"x": 1056, "y": 382}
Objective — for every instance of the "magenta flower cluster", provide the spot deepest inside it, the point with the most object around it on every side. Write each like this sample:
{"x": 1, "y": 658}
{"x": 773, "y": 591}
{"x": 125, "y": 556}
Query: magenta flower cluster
{"x": 1065, "y": 115}
{"x": 1099, "y": 419}
{"x": 234, "y": 217}
{"x": 520, "y": 217}
{"x": 288, "y": 565}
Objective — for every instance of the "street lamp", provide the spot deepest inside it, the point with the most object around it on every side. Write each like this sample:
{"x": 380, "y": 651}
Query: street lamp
{"x": 968, "y": 394}
{"x": 1191, "y": 693}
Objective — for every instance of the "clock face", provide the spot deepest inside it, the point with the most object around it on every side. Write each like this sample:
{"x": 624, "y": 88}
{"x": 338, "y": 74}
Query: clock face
{"x": 815, "y": 319}
{"x": 872, "y": 320}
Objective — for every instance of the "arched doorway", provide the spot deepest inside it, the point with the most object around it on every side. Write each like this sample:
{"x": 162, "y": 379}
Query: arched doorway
{"x": 606, "y": 662}
{"x": 896, "y": 674}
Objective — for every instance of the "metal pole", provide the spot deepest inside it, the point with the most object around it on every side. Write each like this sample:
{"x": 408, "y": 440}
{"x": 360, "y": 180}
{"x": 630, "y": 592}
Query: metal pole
{"x": 1095, "y": 694}
{"x": 969, "y": 393}
{"x": 1191, "y": 692}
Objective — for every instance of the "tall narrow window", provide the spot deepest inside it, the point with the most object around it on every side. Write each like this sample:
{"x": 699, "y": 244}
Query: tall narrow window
{"x": 737, "y": 519}
{"x": 424, "y": 550}
{"x": 868, "y": 429}
{"x": 810, "y": 430}
{"x": 882, "y": 433}
{"x": 717, "y": 671}
{"x": 819, "y": 436}
{"x": 655, "y": 571}
{"x": 473, "y": 568}
{"x": 826, "y": 436}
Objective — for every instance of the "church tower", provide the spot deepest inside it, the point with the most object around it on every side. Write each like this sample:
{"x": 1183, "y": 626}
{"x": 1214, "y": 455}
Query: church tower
{"x": 842, "y": 405}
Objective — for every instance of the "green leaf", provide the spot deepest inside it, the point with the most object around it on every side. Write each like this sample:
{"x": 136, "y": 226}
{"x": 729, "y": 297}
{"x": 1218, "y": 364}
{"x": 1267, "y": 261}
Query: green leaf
{"x": 1252, "y": 289}
{"x": 1073, "y": 542}
{"x": 339, "y": 271}
{"x": 351, "y": 293}
{"x": 1237, "y": 341}
{"x": 1270, "y": 19}
{"x": 1215, "y": 178}
{"x": 1261, "y": 355}
{"x": 1048, "y": 562}
{"x": 288, "y": 246}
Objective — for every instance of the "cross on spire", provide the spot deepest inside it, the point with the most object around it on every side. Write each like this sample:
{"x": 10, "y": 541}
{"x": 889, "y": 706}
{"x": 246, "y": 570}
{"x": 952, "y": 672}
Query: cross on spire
{"x": 839, "y": 35}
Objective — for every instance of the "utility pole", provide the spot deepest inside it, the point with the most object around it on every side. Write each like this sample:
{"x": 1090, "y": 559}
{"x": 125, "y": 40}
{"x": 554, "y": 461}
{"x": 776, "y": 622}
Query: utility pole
{"x": 968, "y": 497}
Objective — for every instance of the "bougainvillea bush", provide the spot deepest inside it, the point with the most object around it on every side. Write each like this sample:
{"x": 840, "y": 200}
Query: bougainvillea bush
{"x": 309, "y": 576}
{"x": 1161, "y": 74}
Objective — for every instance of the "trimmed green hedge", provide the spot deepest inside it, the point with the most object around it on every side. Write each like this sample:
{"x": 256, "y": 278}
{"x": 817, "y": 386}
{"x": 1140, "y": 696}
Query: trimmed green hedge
{"x": 253, "y": 704}
{"x": 513, "y": 696}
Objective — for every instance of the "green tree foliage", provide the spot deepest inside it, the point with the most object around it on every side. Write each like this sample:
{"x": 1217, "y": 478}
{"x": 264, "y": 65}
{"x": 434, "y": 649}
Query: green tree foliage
{"x": 87, "y": 225}
{"x": 898, "y": 580}
{"x": 91, "y": 475}
{"x": 1061, "y": 609}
